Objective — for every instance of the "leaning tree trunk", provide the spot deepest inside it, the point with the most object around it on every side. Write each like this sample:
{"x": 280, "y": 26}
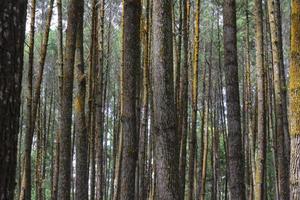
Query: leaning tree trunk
{"x": 131, "y": 47}
{"x": 295, "y": 102}
{"x": 236, "y": 159}
{"x": 26, "y": 177}
{"x": 12, "y": 35}
{"x": 166, "y": 139}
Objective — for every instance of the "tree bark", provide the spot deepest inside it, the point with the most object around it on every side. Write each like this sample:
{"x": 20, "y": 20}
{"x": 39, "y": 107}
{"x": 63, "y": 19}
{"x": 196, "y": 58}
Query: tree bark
{"x": 64, "y": 179}
{"x": 25, "y": 192}
{"x": 144, "y": 110}
{"x": 166, "y": 139}
{"x": 131, "y": 47}
{"x": 183, "y": 99}
{"x": 261, "y": 121}
{"x": 295, "y": 102}
{"x": 12, "y": 35}
{"x": 26, "y": 177}
{"x": 193, "y": 135}
{"x": 81, "y": 129}
{"x": 236, "y": 159}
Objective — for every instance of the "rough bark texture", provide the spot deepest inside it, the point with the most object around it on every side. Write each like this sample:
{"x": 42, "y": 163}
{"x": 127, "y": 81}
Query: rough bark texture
{"x": 295, "y": 103}
{"x": 193, "y": 136}
{"x": 64, "y": 179}
{"x": 281, "y": 147}
{"x": 131, "y": 47}
{"x": 278, "y": 61}
{"x": 282, "y": 140}
{"x": 261, "y": 117}
{"x": 99, "y": 102}
{"x": 81, "y": 129}
{"x": 166, "y": 139}
{"x": 236, "y": 160}
{"x": 12, "y": 23}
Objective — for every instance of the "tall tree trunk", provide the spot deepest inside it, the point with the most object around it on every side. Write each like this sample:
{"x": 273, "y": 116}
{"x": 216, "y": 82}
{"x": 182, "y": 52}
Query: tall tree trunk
{"x": 277, "y": 53}
{"x": 260, "y": 161}
{"x": 193, "y": 135}
{"x": 201, "y": 145}
{"x": 131, "y": 47}
{"x": 99, "y": 103}
{"x": 166, "y": 139}
{"x": 236, "y": 159}
{"x": 64, "y": 180}
{"x": 91, "y": 99}
{"x": 13, "y": 18}
{"x": 144, "y": 111}
{"x": 26, "y": 177}
{"x": 295, "y": 102}
{"x": 281, "y": 148}
{"x": 60, "y": 64}
{"x": 25, "y": 192}
{"x": 248, "y": 111}
{"x": 183, "y": 100}
{"x": 81, "y": 129}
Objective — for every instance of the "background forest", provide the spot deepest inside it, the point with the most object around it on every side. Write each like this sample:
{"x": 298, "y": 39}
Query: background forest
{"x": 149, "y": 99}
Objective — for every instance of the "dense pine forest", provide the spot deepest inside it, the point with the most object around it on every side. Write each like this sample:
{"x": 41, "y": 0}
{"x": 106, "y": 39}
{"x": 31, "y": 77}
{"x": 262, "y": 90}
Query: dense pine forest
{"x": 150, "y": 99}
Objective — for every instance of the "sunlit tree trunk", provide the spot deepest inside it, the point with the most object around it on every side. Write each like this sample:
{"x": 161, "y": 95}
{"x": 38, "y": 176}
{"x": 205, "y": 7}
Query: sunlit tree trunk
{"x": 193, "y": 135}
{"x": 295, "y": 102}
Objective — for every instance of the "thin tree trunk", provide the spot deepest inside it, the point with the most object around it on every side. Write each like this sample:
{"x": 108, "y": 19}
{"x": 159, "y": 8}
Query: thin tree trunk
{"x": 193, "y": 136}
{"x": 183, "y": 125}
{"x": 178, "y": 63}
{"x": 26, "y": 177}
{"x": 295, "y": 102}
{"x": 25, "y": 192}
{"x": 144, "y": 110}
{"x": 260, "y": 161}
{"x": 282, "y": 135}
{"x": 39, "y": 155}
{"x": 99, "y": 103}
